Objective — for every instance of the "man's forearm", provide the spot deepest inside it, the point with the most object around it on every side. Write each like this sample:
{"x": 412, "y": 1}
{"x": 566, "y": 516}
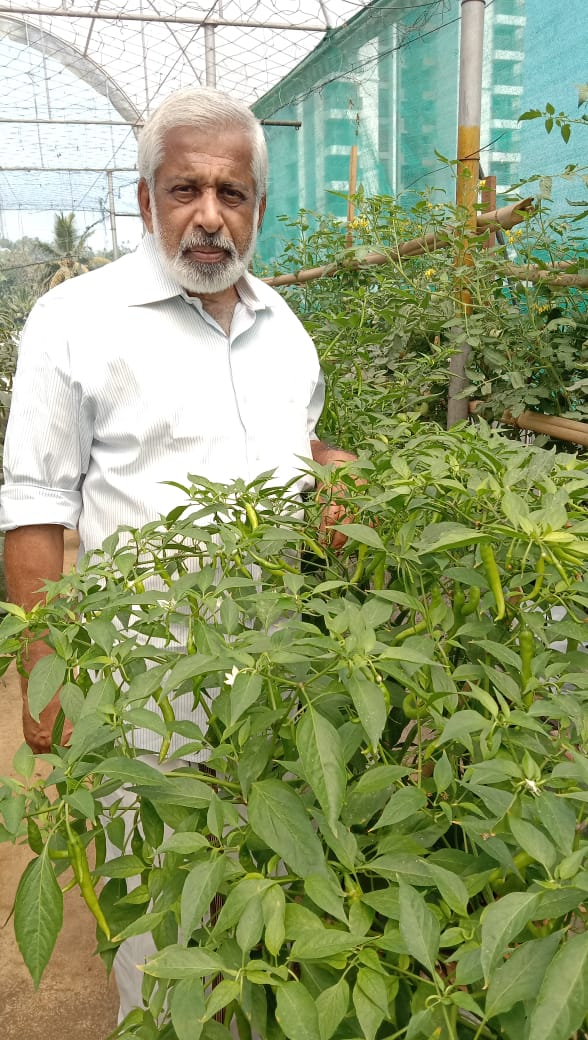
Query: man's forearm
{"x": 326, "y": 455}
{"x": 32, "y": 556}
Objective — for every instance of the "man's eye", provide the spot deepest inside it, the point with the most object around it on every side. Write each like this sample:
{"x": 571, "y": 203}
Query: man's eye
{"x": 183, "y": 191}
{"x": 233, "y": 194}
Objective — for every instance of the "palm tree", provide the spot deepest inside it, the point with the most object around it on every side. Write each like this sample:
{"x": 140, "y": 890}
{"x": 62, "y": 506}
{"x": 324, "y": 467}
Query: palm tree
{"x": 68, "y": 254}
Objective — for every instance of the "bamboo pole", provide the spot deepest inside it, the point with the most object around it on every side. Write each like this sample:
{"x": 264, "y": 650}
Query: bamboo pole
{"x": 468, "y": 166}
{"x": 488, "y": 200}
{"x": 506, "y": 217}
{"x": 352, "y": 191}
{"x": 555, "y": 426}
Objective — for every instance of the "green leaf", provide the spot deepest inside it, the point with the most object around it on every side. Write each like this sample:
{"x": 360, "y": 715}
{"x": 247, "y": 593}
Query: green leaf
{"x": 321, "y": 943}
{"x": 562, "y": 1003}
{"x": 177, "y": 790}
{"x": 223, "y": 993}
{"x": 419, "y": 926}
{"x": 250, "y": 925}
{"x": 201, "y": 885}
{"x": 326, "y": 893}
{"x": 183, "y": 962}
{"x": 558, "y": 818}
{"x": 370, "y": 1000}
{"x": 238, "y": 898}
{"x": 245, "y": 691}
{"x": 23, "y": 762}
{"x": 277, "y": 816}
{"x": 501, "y": 922}
{"x": 533, "y": 113}
{"x": 361, "y": 533}
{"x": 447, "y": 535}
{"x": 463, "y": 724}
{"x": 370, "y": 705}
{"x": 331, "y": 1006}
{"x": 442, "y": 773}
{"x": 296, "y": 1012}
{"x": 403, "y": 803}
{"x": 72, "y": 701}
{"x": 188, "y": 1008}
{"x": 451, "y": 888}
{"x": 321, "y": 754}
{"x": 130, "y": 771}
{"x": 520, "y": 977}
{"x": 534, "y": 842}
{"x": 184, "y": 843}
{"x": 83, "y": 802}
{"x": 274, "y": 915}
{"x": 38, "y": 915}
{"x": 141, "y": 925}
{"x": 46, "y": 678}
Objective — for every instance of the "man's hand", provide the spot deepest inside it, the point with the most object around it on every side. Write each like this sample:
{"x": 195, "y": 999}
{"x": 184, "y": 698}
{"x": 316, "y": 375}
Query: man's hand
{"x": 335, "y": 511}
{"x": 32, "y": 556}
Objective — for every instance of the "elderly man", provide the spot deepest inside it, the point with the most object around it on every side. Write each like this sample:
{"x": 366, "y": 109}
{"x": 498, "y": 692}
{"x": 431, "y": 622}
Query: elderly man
{"x": 173, "y": 360}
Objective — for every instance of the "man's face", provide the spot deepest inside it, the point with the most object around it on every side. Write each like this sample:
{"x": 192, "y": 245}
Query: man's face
{"x": 203, "y": 211}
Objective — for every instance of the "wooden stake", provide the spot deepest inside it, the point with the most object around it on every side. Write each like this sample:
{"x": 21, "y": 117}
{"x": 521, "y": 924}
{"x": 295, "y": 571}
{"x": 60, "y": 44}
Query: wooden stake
{"x": 352, "y": 191}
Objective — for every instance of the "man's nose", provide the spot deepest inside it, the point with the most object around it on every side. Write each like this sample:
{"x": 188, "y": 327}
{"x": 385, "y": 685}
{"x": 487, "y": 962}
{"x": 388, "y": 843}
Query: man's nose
{"x": 207, "y": 213}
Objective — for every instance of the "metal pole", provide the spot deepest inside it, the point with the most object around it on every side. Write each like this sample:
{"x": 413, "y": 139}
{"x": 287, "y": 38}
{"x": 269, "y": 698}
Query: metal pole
{"x": 122, "y": 16}
{"x": 112, "y": 215}
{"x": 209, "y": 56}
{"x": 468, "y": 162}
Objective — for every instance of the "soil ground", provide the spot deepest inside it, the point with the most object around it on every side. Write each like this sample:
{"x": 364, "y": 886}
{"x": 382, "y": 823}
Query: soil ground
{"x": 75, "y": 998}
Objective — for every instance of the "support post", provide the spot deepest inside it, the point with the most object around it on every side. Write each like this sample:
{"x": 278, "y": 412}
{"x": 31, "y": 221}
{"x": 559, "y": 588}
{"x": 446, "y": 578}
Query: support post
{"x": 352, "y": 190}
{"x": 210, "y": 56}
{"x": 112, "y": 215}
{"x": 468, "y": 163}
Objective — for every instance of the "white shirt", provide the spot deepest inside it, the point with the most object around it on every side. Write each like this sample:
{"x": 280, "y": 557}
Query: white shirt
{"x": 124, "y": 382}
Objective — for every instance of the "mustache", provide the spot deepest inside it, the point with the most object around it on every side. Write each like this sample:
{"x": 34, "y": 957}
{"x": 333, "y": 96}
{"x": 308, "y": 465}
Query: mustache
{"x": 214, "y": 241}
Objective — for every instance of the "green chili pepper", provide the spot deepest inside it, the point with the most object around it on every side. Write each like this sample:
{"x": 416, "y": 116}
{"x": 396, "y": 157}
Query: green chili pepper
{"x": 410, "y": 706}
{"x": 539, "y": 580}
{"x": 360, "y": 565}
{"x": 81, "y": 869}
{"x": 473, "y": 601}
{"x": 526, "y": 650}
{"x": 379, "y": 577}
{"x": 458, "y": 604}
{"x": 414, "y": 630}
{"x": 251, "y": 516}
{"x": 168, "y": 717}
{"x": 493, "y": 576}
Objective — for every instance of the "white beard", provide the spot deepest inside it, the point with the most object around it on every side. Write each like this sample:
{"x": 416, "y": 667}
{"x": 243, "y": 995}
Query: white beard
{"x": 203, "y": 277}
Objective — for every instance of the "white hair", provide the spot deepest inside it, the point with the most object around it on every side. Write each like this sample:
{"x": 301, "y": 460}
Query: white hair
{"x": 208, "y": 110}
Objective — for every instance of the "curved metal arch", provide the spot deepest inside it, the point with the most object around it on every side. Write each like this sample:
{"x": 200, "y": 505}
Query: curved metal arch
{"x": 70, "y": 57}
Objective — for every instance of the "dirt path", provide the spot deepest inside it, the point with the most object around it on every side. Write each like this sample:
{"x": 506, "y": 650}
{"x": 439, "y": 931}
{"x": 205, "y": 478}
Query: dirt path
{"x": 75, "y": 999}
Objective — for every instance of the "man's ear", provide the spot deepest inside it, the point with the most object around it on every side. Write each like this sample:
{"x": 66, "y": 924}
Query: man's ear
{"x": 144, "y": 197}
{"x": 261, "y": 211}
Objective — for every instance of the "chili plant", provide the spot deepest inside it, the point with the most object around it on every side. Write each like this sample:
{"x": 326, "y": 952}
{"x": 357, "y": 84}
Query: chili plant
{"x": 395, "y": 809}
{"x": 389, "y": 330}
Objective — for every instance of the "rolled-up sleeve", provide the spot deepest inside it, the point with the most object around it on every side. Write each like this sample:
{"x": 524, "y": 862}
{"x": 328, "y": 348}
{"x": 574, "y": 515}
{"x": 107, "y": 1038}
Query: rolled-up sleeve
{"x": 46, "y": 447}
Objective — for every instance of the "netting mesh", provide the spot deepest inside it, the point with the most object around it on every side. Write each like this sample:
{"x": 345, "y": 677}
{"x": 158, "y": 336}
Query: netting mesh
{"x": 74, "y": 90}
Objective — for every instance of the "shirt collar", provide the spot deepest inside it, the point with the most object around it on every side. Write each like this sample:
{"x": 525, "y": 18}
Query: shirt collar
{"x": 153, "y": 283}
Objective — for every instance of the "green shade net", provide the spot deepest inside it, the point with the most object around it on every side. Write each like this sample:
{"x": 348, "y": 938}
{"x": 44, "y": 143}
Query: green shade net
{"x": 388, "y": 83}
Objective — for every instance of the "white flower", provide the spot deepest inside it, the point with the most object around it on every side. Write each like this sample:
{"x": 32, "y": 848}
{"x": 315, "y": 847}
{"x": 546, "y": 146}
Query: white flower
{"x": 231, "y": 676}
{"x": 532, "y": 786}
